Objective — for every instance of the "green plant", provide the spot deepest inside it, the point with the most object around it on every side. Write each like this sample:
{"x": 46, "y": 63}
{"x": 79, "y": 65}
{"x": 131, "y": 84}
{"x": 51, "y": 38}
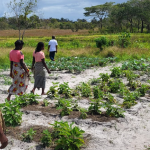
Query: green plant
{"x": 83, "y": 114}
{"x": 143, "y": 89}
{"x": 116, "y": 72}
{"x": 45, "y": 102}
{"x": 94, "y": 107}
{"x": 64, "y": 89}
{"x": 28, "y": 136}
{"x": 65, "y": 105}
{"x": 11, "y": 113}
{"x": 53, "y": 90}
{"x": 97, "y": 92}
{"x": 85, "y": 90}
{"x": 46, "y": 138}
{"x": 101, "y": 42}
{"x": 70, "y": 138}
{"x": 105, "y": 77}
{"x": 110, "y": 99}
{"x": 124, "y": 39}
{"x": 114, "y": 111}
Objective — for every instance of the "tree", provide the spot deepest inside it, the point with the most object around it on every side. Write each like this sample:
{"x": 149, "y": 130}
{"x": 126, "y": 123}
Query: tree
{"x": 21, "y": 10}
{"x": 99, "y": 11}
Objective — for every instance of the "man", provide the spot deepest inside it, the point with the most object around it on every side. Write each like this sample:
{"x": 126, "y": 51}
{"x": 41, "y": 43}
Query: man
{"x": 52, "y": 48}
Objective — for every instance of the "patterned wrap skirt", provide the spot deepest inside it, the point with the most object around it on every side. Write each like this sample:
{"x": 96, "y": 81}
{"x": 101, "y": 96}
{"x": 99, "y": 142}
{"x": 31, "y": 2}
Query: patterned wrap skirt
{"x": 39, "y": 75}
{"x": 20, "y": 80}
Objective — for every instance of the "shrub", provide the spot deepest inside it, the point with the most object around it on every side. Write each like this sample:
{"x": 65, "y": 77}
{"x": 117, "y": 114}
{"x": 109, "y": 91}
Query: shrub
{"x": 101, "y": 42}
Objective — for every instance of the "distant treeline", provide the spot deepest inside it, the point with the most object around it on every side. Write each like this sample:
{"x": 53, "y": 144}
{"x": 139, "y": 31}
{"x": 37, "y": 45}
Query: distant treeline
{"x": 131, "y": 16}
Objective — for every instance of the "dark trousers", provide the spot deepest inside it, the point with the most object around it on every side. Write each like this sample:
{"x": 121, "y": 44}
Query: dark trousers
{"x": 52, "y": 55}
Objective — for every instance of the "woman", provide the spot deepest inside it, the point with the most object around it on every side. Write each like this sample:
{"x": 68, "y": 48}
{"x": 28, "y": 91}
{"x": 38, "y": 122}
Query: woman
{"x": 39, "y": 64}
{"x": 18, "y": 71}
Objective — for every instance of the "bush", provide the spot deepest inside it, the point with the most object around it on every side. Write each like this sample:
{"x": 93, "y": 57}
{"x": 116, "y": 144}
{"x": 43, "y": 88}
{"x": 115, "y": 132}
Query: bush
{"x": 124, "y": 39}
{"x": 101, "y": 42}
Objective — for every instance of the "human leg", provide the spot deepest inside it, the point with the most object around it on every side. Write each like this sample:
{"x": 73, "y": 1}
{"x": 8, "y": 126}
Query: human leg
{"x": 52, "y": 55}
{"x": 8, "y": 97}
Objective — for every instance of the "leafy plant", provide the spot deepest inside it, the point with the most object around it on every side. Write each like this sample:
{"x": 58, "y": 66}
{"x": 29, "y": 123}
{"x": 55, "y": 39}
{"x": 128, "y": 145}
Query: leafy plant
{"x": 116, "y": 72}
{"x": 70, "y": 138}
{"x": 83, "y": 114}
{"x": 101, "y": 42}
{"x": 45, "y": 102}
{"x": 114, "y": 111}
{"x": 46, "y": 138}
{"x": 97, "y": 92}
{"x": 143, "y": 89}
{"x": 11, "y": 113}
{"x": 105, "y": 77}
{"x": 64, "y": 89}
{"x": 85, "y": 90}
{"x": 94, "y": 107}
{"x": 28, "y": 136}
{"x": 53, "y": 90}
{"x": 124, "y": 39}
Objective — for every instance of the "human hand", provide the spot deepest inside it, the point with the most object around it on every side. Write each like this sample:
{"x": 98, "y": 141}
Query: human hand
{"x": 49, "y": 71}
{"x": 11, "y": 75}
{"x": 4, "y": 141}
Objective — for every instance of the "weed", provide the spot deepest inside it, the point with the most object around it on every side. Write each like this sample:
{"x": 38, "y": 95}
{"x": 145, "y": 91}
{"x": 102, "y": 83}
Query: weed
{"x": 46, "y": 138}
{"x": 28, "y": 136}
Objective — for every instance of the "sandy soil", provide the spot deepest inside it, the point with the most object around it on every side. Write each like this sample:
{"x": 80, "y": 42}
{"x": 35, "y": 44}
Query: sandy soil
{"x": 131, "y": 132}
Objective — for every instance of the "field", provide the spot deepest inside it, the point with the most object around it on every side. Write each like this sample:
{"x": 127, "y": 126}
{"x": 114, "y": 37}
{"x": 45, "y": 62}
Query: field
{"x": 107, "y": 98}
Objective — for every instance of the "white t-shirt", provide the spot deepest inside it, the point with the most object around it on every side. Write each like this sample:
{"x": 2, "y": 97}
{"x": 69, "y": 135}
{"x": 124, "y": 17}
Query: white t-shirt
{"x": 52, "y": 44}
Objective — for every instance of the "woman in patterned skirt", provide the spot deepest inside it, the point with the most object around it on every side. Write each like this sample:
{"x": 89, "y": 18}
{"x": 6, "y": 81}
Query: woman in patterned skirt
{"x": 18, "y": 71}
{"x": 39, "y": 66}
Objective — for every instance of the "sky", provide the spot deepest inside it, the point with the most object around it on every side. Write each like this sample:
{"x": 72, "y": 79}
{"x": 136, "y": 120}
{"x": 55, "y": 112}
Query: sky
{"x": 68, "y": 9}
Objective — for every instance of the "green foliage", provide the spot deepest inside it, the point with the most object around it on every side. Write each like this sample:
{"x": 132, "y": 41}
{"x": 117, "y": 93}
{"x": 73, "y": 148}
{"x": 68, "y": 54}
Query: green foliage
{"x": 97, "y": 92}
{"x": 94, "y": 107}
{"x": 94, "y": 81}
{"x": 53, "y": 90}
{"x": 129, "y": 99}
{"x": 46, "y": 139}
{"x": 85, "y": 90}
{"x": 11, "y": 113}
{"x": 64, "y": 89}
{"x": 143, "y": 89}
{"x": 105, "y": 77}
{"x": 115, "y": 85}
{"x": 45, "y": 102}
{"x": 124, "y": 40}
{"x": 70, "y": 138}
{"x": 65, "y": 105}
{"x": 116, "y": 72}
{"x": 83, "y": 114}
{"x": 28, "y": 136}
{"x": 114, "y": 111}
{"x": 101, "y": 42}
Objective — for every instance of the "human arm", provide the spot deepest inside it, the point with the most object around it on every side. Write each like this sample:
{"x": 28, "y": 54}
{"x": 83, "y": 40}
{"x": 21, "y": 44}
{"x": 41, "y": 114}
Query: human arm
{"x": 33, "y": 62}
{"x": 56, "y": 48}
{"x": 48, "y": 48}
{"x": 3, "y": 139}
{"x": 43, "y": 61}
{"x": 24, "y": 67}
{"x": 11, "y": 67}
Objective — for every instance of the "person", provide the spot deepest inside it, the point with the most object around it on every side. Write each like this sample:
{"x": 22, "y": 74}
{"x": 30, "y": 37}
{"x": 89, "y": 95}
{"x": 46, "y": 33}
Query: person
{"x": 52, "y": 48}
{"x": 3, "y": 138}
{"x": 18, "y": 71}
{"x": 38, "y": 65}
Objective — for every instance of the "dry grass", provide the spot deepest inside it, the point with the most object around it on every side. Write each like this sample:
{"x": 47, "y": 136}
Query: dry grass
{"x": 42, "y": 32}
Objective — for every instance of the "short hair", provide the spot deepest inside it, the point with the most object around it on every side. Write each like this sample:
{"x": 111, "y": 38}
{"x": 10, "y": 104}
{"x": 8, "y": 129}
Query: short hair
{"x": 19, "y": 42}
{"x": 53, "y": 37}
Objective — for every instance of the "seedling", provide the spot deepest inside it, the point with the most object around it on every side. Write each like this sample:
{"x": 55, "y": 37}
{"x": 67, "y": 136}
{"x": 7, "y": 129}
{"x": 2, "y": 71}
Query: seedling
{"x": 28, "y": 136}
{"x": 46, "y": 138}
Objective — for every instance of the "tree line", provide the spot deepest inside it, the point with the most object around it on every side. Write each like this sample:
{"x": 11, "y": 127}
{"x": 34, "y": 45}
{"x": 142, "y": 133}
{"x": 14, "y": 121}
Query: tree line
{"x": 131, "y": 16}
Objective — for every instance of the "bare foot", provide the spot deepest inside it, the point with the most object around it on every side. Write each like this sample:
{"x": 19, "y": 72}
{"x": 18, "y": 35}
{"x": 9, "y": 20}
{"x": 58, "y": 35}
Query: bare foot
{"x": 43, "y": 94}
{"x": 32, "y": 92}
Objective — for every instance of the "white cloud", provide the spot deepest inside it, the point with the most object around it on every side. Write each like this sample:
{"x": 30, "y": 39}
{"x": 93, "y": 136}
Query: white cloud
{"x": 71, "y": 9}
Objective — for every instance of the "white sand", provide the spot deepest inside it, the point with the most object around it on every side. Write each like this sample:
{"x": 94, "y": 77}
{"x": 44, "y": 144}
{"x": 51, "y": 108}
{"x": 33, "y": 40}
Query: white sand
{"x": 129, "y": 133}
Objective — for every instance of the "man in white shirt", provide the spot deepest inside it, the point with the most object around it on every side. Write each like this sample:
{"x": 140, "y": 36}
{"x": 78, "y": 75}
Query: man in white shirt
{"x": 52, "y": 48}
